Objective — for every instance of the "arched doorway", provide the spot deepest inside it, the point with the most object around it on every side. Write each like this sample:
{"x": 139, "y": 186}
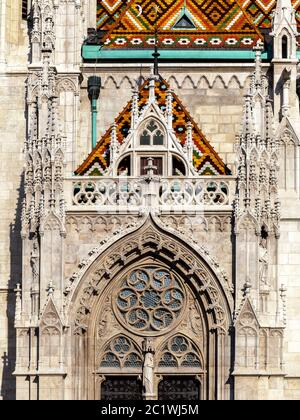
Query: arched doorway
{"x": 151, "y": 321}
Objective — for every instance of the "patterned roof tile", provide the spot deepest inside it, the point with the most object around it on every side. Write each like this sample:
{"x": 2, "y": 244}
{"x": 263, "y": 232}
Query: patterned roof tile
{"x": 218, "y": 23}
{"x": 206, "y": 160}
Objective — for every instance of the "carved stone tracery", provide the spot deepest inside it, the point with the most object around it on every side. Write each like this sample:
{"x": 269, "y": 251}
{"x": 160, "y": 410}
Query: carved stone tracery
{"x": 149, "y": 300}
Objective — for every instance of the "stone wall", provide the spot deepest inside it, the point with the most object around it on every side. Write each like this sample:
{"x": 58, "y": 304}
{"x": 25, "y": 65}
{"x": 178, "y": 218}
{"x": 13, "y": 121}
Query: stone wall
{"x": 13, "y": 61}
{"x": 12, "y": 134}
{"x": 289, "y": 276}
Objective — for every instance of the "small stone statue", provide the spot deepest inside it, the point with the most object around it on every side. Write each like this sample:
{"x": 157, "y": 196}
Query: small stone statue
{"x": 148, "y": 369}
{"x": 263, "y": 261}
{"x": 34, "y": 261}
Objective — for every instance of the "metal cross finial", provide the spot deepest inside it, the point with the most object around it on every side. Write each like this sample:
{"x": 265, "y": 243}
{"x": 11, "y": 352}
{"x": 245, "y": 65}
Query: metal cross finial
{"x": 156, "y": 54}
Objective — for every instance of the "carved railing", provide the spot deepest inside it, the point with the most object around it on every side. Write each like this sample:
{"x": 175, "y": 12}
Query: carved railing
{"x": 194, "y": 192}
{"x": 138, "y": 194}
{"x": 108, "y": 192}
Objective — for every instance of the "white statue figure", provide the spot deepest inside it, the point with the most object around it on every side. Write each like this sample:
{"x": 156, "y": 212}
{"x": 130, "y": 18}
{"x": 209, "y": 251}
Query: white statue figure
{"x": 148, "y": 368}
{"x": 263, "y": 261}
{"x": 34, "y": 261}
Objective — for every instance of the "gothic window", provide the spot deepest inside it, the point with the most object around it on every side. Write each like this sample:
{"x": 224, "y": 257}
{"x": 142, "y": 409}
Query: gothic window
{"x": 150, "y": 300}
{"x": 179, "y": 388}
{"x": 152, "y": 135}
{"x": 180, "y": 352}
{"x": 120, "y": 353}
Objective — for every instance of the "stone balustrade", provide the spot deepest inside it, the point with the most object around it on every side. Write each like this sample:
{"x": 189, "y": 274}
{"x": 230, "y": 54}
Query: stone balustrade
{"x": 139, "y": 194}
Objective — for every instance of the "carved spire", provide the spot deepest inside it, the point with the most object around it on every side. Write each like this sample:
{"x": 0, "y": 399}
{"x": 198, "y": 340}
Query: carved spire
{"x": 248, "y": 116}
{"x": 18, "y": 308}
{"x": 284, "y": 31}
{"x": 152, "y": 79}
{"x": 169, "y": 109}
{"x": 135, "y": 109}
{"x": 258, "y": 70}
{"x": 45, "y": 143}
{"x": 284, "y": 15}
{"x": 258, "y": 161}
{"x": 189, "y": 146}
{"x": 114, "y": 149}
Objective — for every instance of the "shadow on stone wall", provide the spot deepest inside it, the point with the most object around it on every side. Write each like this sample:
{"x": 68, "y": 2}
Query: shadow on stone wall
{"x": 8, "y": 359}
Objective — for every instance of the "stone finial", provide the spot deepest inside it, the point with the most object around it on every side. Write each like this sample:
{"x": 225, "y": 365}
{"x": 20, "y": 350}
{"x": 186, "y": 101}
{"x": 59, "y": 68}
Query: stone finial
{"x": 169, "y": 109}
{"x": 135, "y": 109}
{"x": 248, "y": 116}
{"x": 114, "y": 148}
{"x": 189, "y": 146}
{"x": 18, "y": 309}
{"x": 50, "y": 289}
{"x": 258, "y": 63}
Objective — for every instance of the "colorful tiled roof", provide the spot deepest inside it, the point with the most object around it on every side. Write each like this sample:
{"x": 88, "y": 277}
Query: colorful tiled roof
{"x": 109, "y": 12}
{"x": 260, "y": 11}
{"x": 206, "y": 160}
{"x": 217, "y": 23}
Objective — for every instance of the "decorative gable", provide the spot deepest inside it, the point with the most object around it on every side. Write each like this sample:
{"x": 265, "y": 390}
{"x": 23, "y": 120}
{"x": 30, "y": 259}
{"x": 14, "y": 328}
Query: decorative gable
{"x": 205, "y": 159}
{"x": 50, "y": 323}
{"x": 247, "y": 316}
{"x": 193, "y": 23}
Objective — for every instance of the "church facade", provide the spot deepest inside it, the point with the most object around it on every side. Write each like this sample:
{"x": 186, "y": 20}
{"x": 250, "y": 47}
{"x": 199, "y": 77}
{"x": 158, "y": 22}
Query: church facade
{"x": 150, "y": 219}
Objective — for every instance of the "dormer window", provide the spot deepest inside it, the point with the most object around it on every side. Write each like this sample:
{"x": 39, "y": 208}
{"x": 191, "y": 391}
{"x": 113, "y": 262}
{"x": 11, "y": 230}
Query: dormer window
{"x": 152, "y": 135}
{"x": 185, "y": 19}
{"x": 184, "y": 23}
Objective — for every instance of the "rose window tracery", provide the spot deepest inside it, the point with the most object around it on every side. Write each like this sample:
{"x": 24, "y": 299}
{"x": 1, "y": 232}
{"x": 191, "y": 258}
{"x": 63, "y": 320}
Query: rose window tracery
{"x": 150, "y": 300}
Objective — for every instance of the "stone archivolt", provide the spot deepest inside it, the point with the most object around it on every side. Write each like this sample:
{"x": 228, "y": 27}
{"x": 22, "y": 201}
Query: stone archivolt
{"x": 147, "y": 241}
{"x": 154, "y": 259}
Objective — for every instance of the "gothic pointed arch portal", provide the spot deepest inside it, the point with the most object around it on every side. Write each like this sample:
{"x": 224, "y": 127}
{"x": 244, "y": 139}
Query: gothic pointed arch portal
{"x": 150, "y": 319}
